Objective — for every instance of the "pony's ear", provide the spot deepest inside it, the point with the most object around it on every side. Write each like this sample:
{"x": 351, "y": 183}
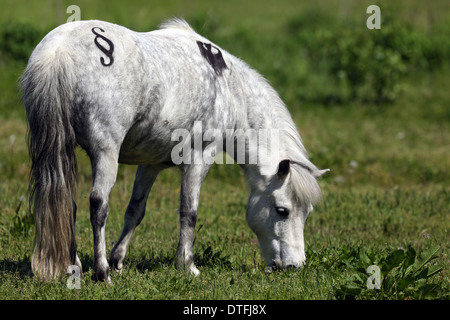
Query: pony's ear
{"x": 283, "y": 168}
{"x": 319, "y": 173}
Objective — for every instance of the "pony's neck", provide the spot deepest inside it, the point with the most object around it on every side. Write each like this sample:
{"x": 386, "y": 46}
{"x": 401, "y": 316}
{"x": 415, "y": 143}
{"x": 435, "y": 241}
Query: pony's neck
{"x": 263, "y": 110}
{"x": 265, "y": 117}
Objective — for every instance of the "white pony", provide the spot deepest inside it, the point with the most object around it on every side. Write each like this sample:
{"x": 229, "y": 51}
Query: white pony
{"x": 121, "y": 95}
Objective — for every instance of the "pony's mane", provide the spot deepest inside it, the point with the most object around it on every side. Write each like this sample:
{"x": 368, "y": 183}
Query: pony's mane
{"x": 176, "y": 23}
{"x": 303, "y": 171}
{"x": 305, "y": 185}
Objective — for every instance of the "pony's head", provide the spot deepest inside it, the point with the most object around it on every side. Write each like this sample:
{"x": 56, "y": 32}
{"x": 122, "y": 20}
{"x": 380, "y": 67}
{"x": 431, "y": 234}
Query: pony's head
{"x": 277, "y": 210}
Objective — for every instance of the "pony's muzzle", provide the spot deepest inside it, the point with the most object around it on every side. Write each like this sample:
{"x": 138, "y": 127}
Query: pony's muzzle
{"x": 276, "y": 266}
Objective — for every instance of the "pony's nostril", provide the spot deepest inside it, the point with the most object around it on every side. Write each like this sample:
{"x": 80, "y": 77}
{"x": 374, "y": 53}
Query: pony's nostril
{"x": 292, "y": 267}
{"x": 278, "y": 267}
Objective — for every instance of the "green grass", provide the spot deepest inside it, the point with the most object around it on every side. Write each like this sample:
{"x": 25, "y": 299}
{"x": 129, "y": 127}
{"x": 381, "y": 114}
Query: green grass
{"x": 388, "y": 187}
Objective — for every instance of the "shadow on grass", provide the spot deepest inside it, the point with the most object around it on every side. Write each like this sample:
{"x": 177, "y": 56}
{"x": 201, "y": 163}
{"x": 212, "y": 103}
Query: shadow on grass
{"x": 22, "y": 267}
{"x": 206, "y": 258}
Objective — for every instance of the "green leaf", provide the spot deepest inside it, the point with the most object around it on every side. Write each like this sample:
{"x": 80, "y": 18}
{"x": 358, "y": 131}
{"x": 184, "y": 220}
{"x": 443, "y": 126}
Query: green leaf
{"x": 420, "y": 282}
{"x": 350, "y": 290}
{"x": 408, "y": 262}
{"x": 393, "y": 260}
{"x": 387, "y": 284}
{"x": 348, "y": 263}
{"x": 358, "y": 278}
{"x": 433, "y": 270}
{"x": 405, "y": 283}
{"x": 364, "y": 258}
{"x": 410, "y": 256}
{"x": 429, "y": 291}
{"x": 425, "y": 257}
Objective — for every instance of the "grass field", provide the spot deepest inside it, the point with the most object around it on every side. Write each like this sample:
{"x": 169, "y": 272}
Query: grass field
{"x": 371, "y": 105}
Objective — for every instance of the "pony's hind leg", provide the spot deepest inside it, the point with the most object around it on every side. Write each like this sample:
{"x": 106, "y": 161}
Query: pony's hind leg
{"x": 145, "y": 177}
{"x": 104, "y": 169}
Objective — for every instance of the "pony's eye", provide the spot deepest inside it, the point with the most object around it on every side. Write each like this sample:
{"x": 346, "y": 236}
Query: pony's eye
{"x": 282, "y": 211}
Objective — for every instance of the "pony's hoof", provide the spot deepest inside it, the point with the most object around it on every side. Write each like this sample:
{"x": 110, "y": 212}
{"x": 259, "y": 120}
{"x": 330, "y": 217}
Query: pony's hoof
{"x": 116, "y": 266}
{"x": 96, "y": 278}
{"x": 101, "y": 276}
{"x": 116, "y": 258}
{"x": 194, "y": 271}
{"x": 118, "y": 269}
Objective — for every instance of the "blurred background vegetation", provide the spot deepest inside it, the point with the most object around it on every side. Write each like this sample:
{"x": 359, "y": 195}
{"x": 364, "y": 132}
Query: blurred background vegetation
{"x": 372, "y": 105}
{"x": 298, "y": 45}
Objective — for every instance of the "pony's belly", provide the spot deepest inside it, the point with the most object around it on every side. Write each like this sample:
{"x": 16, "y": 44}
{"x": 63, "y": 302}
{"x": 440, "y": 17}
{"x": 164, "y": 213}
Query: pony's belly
{"x": 137, "y": 158}
{"x": 145, "y": 153}
{"x": 146, "y": 149}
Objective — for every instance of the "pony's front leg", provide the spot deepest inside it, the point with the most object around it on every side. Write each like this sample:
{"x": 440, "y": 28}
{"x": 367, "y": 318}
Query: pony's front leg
{"x": 192, "y": 177}
{"x": 104, "y": 168}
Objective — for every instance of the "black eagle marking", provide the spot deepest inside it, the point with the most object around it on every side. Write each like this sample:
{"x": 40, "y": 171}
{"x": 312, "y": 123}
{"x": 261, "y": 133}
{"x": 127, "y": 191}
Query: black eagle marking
{"x": 214, "y": 59}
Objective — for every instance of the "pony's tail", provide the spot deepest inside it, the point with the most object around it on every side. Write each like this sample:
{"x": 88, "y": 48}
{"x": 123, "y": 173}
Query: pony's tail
{"x": 47, "y": 85}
